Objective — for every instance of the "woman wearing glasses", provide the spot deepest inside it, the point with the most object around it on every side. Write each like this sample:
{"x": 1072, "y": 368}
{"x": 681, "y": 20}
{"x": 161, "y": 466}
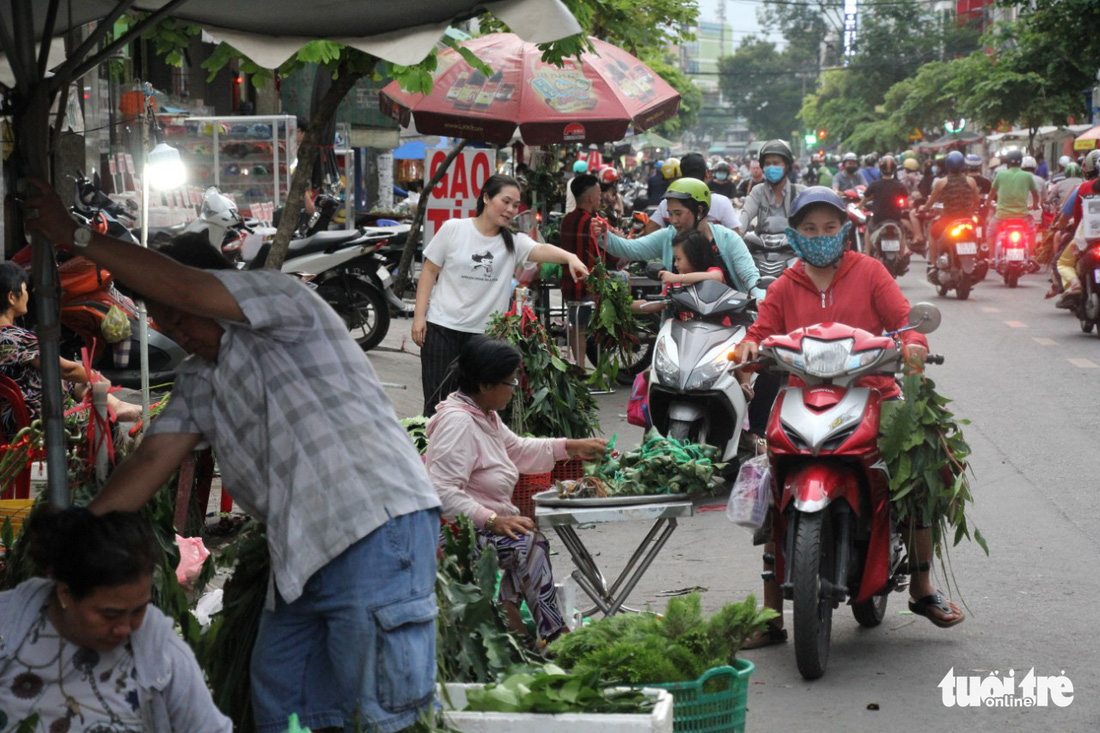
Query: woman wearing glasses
{"x": 474, "y": 461}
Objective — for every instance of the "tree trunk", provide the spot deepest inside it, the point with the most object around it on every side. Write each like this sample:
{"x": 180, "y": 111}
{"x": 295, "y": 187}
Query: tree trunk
{"x": 307, "y": 154}
{"x": 413, "y": 240}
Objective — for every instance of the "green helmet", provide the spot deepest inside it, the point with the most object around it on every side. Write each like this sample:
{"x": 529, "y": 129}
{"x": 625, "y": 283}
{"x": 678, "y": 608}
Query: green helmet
{"x": 1072, "y": 170}
{"x": 689, "y": 189}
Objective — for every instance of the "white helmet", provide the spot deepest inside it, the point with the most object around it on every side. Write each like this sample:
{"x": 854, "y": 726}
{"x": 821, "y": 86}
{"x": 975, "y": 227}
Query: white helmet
{"x": 1029, "y": 163}
{"x": 1064, "y": 161}
{"x": 1089, "y": 165}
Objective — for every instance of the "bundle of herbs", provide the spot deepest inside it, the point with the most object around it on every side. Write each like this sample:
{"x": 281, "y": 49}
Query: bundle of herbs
{"x": 550, "y": 689}
{"x": 613, "y": 327}
{"x": 552, "y": 400}
{"x": 659, "y": 466}
{"x": 417, "y": 428}
{"x": 924, "y": 448}
{"x": 642, "y": 648}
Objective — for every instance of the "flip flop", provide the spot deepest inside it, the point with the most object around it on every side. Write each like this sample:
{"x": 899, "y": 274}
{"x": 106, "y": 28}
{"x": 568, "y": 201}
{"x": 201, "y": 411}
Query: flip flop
{"x": 924, "y": 606}
{"x": 771, "y": 635}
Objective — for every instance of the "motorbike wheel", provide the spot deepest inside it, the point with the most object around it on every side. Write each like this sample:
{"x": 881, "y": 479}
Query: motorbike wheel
{"x": 813, "y": 615}
{"x": 963, "y": 291}
{"x": 640, "y": 358}
{"x": 942, "y": 290}
{"x": 1011, "y": 278}
{"x": 364, "y": 310}
{"x": 1086, "y": 325}
{"x": 870, "y": 613}
{"x": 891, "y": 267}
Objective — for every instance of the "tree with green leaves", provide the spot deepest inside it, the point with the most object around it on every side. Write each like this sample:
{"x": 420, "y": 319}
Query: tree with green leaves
{"x": 764, "y": 85}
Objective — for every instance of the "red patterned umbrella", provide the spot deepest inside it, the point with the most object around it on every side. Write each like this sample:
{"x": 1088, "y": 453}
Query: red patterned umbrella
{"x": 593, "y": 98}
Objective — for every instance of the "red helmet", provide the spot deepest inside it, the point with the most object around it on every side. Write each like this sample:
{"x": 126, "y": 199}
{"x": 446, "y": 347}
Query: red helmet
{"x": 608, "y": 175}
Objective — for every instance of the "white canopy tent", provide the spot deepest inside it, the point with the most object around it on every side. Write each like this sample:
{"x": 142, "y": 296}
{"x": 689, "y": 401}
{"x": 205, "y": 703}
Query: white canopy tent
{"x": 267, "y": 31}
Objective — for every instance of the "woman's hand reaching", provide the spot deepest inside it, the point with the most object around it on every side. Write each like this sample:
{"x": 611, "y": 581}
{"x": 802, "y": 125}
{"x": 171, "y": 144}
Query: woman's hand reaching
{"x": 512, "y": 527}
{"x": 587, "y": 449}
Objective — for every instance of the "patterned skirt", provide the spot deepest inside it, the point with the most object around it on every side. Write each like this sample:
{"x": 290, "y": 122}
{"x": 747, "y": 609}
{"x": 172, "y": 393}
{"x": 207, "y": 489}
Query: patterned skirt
{"x": 528, "y": 577}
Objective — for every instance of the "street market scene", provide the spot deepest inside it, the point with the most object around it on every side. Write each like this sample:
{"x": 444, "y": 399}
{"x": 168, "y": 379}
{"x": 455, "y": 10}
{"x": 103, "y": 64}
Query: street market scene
{"x": 546, "y": 365}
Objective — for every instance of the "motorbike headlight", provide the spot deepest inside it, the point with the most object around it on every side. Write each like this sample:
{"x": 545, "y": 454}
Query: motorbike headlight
{"x": 790, "y": 357}
{"x": 861, "y": 359}
{"x": 705, "y": 376}
{"x": 664, "y": 364}
{"x": 826, "y": 358}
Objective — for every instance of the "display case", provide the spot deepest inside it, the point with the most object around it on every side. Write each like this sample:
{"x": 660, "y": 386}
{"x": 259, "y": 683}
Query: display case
{"x": 248, "y": 158}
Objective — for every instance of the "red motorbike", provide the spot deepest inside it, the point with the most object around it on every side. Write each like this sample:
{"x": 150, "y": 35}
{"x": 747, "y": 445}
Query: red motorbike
{"x": 835, "y": 538}
{"x": 1015, "y": 242}
{"x": 857, "y": 235}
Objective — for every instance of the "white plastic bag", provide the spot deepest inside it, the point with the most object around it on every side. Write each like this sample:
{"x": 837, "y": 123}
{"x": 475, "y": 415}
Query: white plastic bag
{"x": 748, "y": 503}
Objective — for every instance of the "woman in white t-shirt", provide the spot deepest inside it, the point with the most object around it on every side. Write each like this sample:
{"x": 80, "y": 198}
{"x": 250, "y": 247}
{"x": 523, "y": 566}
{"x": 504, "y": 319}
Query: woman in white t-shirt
{"x": 467, "y": 276}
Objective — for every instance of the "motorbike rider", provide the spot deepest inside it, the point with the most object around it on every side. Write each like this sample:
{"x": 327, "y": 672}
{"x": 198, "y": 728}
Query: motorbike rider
{"x": 755, "y": 176}
{"x": 721, "y": 180}
{"x": 959, "y": 195}
{"x": 611, "y": 203}
{"x": 688, "y": 205}
{"x": 1015, "y": 193}
{"x": 911, "y": 177}
{"x": 1030, "y": 164}
{"x": 848, "y": 177}
{"x": 884, "y": 195}
{"x": 773, "y": 199}
{"x": 1059, "y": 191}
{"x": 933, "y": 169}
{"x": 721, "y": 209}
{"x": 580, "y": 167}
{"x": 870, "y": 171}
{"x": 827, "y": 170}
{"x": 656, "y": 183}
{"x": 830, "y": 284}
{"x": 974, "y": 170}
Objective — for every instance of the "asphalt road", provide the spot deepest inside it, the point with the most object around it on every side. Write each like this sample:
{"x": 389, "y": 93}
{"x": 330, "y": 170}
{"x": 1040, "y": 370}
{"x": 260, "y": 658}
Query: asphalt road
{"x": 1026, "y": 377}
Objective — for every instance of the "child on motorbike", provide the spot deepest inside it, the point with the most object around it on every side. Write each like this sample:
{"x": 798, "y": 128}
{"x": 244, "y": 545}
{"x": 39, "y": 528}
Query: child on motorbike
{"x": 830, "y": 284}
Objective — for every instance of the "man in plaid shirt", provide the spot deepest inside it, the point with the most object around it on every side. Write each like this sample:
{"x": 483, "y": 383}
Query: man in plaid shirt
{"x": 308, "y": 444}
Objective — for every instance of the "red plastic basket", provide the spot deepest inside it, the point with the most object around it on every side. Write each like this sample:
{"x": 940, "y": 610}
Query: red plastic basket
{"x": 528, "y": 485}
{"x": 570, "y": 470}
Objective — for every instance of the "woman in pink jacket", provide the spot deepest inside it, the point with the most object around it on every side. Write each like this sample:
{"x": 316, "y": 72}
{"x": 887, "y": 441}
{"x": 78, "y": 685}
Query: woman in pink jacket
{"x": 474, "y": 461}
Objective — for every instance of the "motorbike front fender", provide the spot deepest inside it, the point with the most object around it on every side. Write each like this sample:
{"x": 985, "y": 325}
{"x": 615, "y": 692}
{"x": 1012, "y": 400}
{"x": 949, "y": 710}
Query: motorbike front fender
{"x": 813, "y": 487}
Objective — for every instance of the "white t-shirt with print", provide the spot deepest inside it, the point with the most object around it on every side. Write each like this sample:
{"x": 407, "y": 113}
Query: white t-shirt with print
{"x": 721, "y": 211}
{"x": 475, "y": 280}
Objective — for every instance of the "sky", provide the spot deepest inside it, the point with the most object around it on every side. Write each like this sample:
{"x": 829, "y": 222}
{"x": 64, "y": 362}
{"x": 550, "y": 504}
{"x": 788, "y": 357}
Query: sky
{"x": 741, "y": 16}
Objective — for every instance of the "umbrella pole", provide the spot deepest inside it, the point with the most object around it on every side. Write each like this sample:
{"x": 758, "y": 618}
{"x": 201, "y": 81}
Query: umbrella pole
{"x": 143, "y": 318}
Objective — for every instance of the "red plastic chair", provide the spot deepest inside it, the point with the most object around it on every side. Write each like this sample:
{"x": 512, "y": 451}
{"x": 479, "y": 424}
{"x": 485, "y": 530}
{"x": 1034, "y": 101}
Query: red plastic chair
{"x": 10, "y": 393}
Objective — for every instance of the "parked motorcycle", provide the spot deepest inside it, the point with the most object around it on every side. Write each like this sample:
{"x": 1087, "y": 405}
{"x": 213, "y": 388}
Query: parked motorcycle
{"x": 349, "y": 274}
{"x": 770, "y": 249}
{"x": 958, "y": 266}
{"x": 1014, "y": 243}
{"x": 834, "y": 535}
{"x": 693, "y": 395}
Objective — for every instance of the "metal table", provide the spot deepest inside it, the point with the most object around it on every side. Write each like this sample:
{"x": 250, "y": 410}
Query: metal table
{"x": 609, "y": 600}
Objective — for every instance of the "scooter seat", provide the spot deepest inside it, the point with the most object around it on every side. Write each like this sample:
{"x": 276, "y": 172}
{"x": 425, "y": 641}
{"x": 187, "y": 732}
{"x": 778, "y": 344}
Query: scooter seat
{"x": 319, "y": 242}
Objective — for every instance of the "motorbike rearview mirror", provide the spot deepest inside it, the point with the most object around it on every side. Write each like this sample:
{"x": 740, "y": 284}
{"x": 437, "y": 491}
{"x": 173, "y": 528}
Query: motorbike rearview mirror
{"x": 924, "y": 318}
{"x": 653, "y": 270}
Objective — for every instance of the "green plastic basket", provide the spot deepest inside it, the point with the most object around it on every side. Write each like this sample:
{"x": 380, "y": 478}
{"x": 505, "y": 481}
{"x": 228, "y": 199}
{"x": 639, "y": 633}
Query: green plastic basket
{"x": 717, "y": 701}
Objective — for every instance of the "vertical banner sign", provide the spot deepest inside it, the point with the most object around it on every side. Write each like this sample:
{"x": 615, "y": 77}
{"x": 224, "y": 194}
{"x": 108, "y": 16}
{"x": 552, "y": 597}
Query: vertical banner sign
{"x": 851, "y": 28}
{"x": 455, "y": 196}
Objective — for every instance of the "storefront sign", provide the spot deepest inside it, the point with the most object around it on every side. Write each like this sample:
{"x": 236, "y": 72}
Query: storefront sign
{"x": 455, "y": 196}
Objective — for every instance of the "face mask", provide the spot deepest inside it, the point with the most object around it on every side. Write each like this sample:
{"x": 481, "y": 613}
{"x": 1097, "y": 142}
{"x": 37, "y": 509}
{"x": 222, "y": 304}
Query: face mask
{"x": 851, "y": 169}
{"x": 773, "y": 173}
{"x": 721, "y": 176}
{"x": 818, "y": 251}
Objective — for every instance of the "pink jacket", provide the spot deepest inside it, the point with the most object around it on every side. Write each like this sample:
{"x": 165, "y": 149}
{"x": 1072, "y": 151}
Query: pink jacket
{"x": 474, "y": 460}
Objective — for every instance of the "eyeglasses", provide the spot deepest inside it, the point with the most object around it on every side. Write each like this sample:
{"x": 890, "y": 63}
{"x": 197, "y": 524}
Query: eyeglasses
{"x": 512, "y": 383}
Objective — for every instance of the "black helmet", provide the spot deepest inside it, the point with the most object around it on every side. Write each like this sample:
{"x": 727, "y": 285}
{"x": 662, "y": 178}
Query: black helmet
{"x": 776, "y": 147}
{"x": 888, "y": 165}
{"x": 1014, "y": 157}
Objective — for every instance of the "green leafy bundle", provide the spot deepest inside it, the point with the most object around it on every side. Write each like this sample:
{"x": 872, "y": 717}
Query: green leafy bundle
{"x": 417, "y": 428}
{"x": 472, "y": 642}
{"x": 613, "y": 327}
{"x": 659, "y": 466}
{"x": 924, "y": 448}
{"x": 550, "y": 689}
{"x": 641, "y": 648}
{"x": 551, "y": 400}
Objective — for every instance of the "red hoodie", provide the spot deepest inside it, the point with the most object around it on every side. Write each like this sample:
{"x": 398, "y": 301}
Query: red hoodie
{"x": 862, "y": 295}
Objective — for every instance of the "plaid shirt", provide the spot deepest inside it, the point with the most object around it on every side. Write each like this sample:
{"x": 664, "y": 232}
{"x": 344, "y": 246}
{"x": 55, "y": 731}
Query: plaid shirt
{"x": 306, "y": 440}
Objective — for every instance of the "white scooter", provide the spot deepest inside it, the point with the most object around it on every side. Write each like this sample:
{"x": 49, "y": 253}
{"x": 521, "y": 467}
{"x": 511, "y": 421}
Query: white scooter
{"x": 693, "y": 394}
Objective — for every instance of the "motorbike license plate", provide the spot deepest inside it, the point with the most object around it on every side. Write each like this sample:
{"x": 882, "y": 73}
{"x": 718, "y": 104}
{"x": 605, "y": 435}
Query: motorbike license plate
{"x": 967, "y": 248}
{"x": 1014, "y": 255}
{"x": 891, "y": 245}
{"x": 1096, "y": 276}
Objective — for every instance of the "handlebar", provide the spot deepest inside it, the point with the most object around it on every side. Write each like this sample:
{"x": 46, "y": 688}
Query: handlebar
{"x": 934, "y": 359}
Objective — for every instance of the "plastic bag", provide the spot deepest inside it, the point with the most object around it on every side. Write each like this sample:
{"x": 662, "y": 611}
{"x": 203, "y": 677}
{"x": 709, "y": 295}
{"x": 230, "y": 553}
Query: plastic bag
{"x": 115, "y": 326}
{"x": 748, "y": 503}
{"x": 193, "y": 554}
{"x": 637, "y": 408}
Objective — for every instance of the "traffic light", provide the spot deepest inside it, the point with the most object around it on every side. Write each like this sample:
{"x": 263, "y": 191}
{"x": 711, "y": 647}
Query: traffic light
{"x": 810, "y": 139}
{"x": 822, "y": 133}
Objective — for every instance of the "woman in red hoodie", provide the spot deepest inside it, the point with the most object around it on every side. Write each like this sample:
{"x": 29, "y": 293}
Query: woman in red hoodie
{"x": 829, "y": 284}
{"x": 474, "y": 461}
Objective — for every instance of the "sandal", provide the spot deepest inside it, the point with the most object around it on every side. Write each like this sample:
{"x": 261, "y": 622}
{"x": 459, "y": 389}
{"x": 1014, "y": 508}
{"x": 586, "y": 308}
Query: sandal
{"x": 771, "y": 635}
{"x": 925, "y": 606}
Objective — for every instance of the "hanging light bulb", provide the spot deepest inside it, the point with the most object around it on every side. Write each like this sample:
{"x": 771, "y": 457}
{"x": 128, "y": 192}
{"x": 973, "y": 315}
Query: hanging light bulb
{"x": 165, "y": 168}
